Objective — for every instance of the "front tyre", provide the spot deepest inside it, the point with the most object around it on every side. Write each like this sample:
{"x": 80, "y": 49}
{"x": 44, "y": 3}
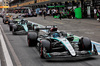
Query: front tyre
{"x": 13, "y": 31}
{"x": 85, "y": 44}
{"x": 44, "y": 48}
{"x": 43, "y": 52}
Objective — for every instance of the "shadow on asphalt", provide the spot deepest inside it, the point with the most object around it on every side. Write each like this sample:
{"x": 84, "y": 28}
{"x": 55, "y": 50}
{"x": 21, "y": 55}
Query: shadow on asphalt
{"x": 70, "y": 59}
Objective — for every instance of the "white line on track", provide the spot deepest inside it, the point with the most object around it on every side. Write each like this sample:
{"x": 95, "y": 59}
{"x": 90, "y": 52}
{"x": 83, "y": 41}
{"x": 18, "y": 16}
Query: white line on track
{"x": 0, "y": 62}
{"x": 16, "y": 59}
{"x": 5, "y": 51}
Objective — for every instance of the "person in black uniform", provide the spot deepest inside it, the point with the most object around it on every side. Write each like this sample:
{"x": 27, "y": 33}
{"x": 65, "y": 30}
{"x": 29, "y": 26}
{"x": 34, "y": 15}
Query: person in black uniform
{"x": 44, "y": 13}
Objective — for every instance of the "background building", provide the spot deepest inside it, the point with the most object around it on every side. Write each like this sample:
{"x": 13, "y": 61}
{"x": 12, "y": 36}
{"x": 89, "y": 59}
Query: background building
{"x": 0, "y": 3}
{"x": 6, "y": 2}
{"x": 5, "y": 5}
{"x": 87, "y": 6}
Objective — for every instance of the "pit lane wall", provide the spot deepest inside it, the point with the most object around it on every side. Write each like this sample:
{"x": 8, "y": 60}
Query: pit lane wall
{"x": 76, "y": 38}
{"x": 5, "y": 43}
{"x": 5, "y": 50}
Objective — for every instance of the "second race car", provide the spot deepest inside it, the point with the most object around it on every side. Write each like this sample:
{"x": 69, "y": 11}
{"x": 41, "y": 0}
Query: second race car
{"x": 20, "y": 26}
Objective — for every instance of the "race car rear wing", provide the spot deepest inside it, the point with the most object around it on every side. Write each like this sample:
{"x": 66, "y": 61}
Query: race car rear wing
{"x": 50, "y": 28}
{"x": 38, "y": 29}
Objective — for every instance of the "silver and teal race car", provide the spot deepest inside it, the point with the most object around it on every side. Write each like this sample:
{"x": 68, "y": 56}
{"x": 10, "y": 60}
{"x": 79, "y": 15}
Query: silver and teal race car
{"x": 60, "y": 44}
{"x": 20, "y": 26}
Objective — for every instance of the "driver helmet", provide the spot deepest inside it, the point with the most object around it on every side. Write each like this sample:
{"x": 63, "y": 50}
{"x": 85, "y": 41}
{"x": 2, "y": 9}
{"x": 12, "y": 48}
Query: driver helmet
{"x": 55, "y": 35}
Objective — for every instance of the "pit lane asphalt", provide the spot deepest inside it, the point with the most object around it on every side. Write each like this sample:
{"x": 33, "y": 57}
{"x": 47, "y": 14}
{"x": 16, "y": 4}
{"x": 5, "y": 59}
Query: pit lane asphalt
{"x": 30, "y": 57}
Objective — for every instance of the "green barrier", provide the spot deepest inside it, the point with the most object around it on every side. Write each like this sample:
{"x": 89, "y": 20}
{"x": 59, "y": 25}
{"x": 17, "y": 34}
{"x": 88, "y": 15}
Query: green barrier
{"x": 78, "y": 13}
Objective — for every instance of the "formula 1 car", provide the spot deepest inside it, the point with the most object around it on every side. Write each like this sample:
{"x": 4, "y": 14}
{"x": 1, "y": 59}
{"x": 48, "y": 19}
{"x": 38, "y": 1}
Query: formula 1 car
{"x": 60, "y": 44}
{"x": 7, "y": 19}
{"x": 20, "y": 26}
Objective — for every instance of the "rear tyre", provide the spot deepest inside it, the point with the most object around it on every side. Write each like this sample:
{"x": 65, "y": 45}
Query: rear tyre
{"x": 30, "y": 42}
{"x": 32, "y": 39}
{"x": 29, "y": 25}
{"x": 4, "y": 22}
{"x": 10, "y": 28}
{"x": 85, "y": 44}
{"x": 14, "y": 28}
{"x": 13, "y": 31}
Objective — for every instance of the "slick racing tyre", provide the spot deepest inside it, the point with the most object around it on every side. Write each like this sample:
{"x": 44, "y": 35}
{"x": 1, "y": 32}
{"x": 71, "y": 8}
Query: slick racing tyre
{"x": 29, "y": 25}
{"x": 32, "y": 39}
{"x": 10, "y": 26}
{"x": 4, "y": 21}
{"x": 85, "y": 44}
{"x": 14, "y": 29}
{"x": 44, "y": 48}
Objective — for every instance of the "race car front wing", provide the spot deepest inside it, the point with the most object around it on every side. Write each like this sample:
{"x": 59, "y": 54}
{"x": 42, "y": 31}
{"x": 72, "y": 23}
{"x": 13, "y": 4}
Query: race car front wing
{"x": 66, "y": 54}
